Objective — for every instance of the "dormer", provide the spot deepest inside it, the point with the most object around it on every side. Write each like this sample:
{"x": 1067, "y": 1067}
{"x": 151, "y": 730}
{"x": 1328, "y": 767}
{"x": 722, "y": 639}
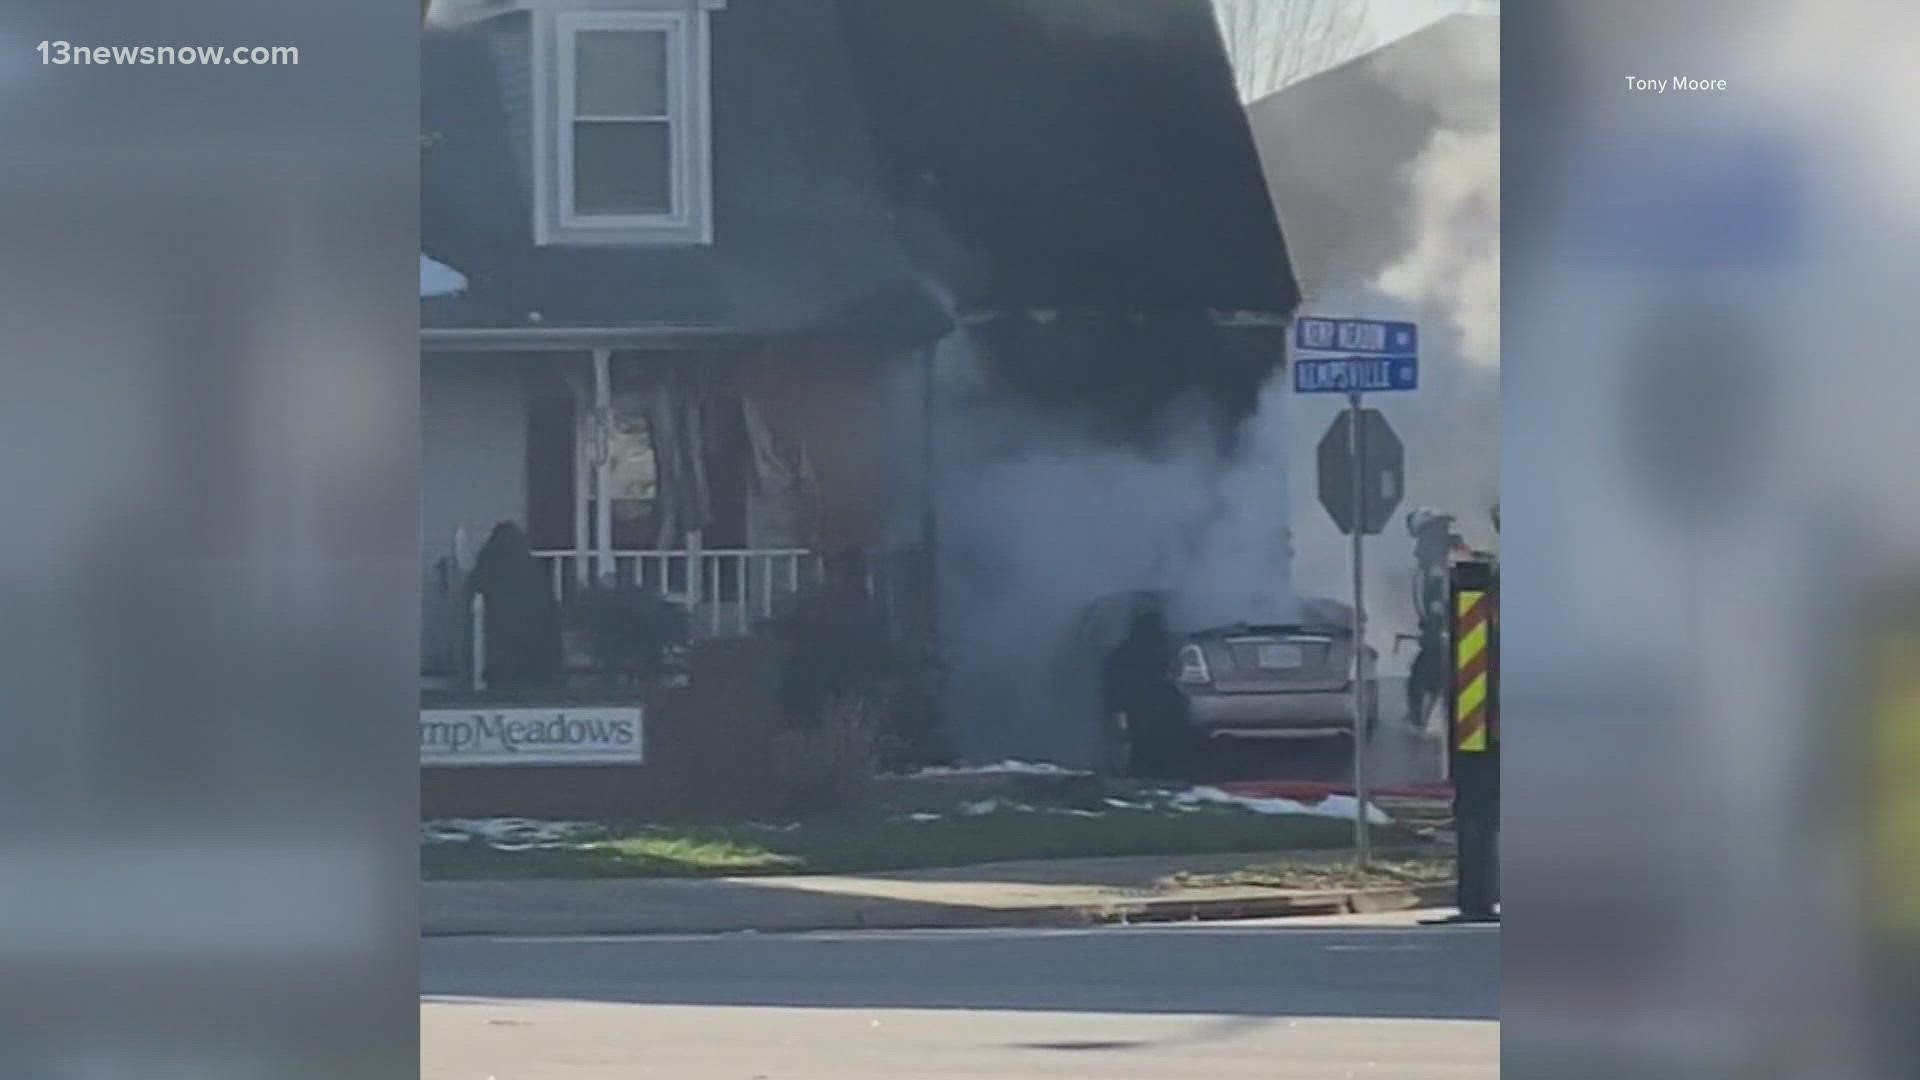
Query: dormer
{"x": 621, "y": 123}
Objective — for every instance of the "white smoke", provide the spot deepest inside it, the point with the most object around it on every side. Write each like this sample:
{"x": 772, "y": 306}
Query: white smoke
{"x": 1039, "y": 521}
{"x": 1452, "y": 270}
{"x": 1444, "y": 274}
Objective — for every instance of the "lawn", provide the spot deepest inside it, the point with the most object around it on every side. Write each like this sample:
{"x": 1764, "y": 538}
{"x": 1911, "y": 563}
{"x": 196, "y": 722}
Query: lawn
{"x": 906, "y": 825}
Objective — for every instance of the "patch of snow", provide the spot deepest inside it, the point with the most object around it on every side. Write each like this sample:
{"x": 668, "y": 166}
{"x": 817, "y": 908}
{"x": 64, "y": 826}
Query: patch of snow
{"x": 1010, "y": 767}
{"x": 1343, "y": 807}
{"x": 1005, "y": 806}
{"x": 439, "y": 279}
{"x": 509, "y": 834}
{"x": 1122, "y": 804}
{"x": 994, "y": 806}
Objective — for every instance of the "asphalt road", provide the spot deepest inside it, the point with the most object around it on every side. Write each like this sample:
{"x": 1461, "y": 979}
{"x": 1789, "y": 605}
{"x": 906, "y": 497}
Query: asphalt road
{"x": 1332, "y": 999}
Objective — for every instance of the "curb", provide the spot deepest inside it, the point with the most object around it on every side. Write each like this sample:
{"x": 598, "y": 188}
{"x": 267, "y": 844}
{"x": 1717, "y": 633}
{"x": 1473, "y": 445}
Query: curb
{"x": 1336, "y": 902}
{"x": 884, "y": 916}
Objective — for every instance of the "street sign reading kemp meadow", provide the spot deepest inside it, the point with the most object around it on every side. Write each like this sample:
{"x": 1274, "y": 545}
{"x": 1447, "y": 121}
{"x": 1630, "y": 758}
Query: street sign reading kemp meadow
{"x": 563, "y": 736}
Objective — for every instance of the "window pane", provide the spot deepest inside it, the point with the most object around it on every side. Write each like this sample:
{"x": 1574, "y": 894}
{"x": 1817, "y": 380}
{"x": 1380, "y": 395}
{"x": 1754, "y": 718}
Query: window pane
{"x": 620, "y": 73}
{"x": 622, "y": 167}
{"x": 635, "y": 482}
{"x": 630, "y": 455}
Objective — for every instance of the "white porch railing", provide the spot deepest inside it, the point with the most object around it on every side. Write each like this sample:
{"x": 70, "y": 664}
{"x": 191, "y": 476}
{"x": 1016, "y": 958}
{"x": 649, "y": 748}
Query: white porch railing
{"x": 725, "y": 590}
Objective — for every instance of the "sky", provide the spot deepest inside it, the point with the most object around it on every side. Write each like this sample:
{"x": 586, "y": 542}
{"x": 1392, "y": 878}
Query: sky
{"x": 1385, "y": 21}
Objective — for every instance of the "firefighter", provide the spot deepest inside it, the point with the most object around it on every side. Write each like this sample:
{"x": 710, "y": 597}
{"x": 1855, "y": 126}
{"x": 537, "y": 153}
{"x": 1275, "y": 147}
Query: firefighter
{"x": 1434, "y": 544}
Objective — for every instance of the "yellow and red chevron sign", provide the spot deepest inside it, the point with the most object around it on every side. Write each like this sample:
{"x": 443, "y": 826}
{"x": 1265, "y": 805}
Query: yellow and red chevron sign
{"x": 1472, "y": 661}
{"x": 1893, "y": 850}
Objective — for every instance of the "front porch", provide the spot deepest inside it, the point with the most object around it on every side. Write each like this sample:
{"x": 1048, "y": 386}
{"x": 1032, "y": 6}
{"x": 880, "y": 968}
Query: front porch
{"x": 691, "y": 470}
{"x": 718, "y": 475}
{"x": 725, "y": 592}
{"x": 630, "y": 466}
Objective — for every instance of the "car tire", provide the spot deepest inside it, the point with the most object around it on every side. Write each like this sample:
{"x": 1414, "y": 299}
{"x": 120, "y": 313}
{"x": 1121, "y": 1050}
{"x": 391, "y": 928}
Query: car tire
{"x": 1158, "y": 755}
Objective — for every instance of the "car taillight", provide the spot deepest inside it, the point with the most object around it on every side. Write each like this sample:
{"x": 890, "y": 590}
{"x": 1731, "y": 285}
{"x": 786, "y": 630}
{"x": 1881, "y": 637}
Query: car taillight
{"x": 1192, "y": 666}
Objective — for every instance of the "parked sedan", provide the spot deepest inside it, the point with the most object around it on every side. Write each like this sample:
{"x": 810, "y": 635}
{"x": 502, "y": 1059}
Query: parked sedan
{"x": 1289, "y": 680}
{"x": 1167, "y": 690}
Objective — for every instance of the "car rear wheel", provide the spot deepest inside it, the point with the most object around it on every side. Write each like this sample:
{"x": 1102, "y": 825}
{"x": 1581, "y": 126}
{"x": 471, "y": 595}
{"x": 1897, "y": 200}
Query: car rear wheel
{"x": 1144, "y": 753}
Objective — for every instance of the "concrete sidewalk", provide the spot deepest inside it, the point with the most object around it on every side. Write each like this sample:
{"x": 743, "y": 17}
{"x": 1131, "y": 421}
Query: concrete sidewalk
{"x": 1077, "y": 892}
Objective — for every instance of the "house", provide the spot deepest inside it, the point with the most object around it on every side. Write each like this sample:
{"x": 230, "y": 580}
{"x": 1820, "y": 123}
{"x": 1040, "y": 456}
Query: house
{"x": 664, "y": 212}
{"x": 701, "y": 256}
{"x": 1080, "y": 177}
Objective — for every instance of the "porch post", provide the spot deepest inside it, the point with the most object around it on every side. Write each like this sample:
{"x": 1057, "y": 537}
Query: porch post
{"x": 583, "y": 441}
{"x": 697, "y": 578}
{"x": 603, "y": 463}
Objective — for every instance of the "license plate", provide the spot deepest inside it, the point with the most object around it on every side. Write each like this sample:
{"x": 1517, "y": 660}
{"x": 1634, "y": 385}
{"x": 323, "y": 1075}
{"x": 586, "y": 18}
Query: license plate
{"x": 1280, "y": 657}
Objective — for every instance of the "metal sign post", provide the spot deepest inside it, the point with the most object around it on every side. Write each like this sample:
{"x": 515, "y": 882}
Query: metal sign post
{"x": 1385, "y": 358}
{"x": 1357, "y": 446}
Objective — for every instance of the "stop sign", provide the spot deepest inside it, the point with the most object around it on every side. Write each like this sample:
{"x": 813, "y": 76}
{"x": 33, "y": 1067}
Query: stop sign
{"x": 1383, "y": 472}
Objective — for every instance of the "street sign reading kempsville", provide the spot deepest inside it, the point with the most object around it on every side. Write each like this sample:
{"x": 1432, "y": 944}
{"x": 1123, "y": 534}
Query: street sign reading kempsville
{"x": 1355, "y": 374}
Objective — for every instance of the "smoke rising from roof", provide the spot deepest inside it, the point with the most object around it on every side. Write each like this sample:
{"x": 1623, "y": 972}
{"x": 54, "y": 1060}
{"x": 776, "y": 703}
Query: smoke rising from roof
{"x": 1043, "y": 511}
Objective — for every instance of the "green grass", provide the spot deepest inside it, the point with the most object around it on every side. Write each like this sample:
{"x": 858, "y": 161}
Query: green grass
{"x": 1303, "y": 874}
{"x": 882, "y": 836}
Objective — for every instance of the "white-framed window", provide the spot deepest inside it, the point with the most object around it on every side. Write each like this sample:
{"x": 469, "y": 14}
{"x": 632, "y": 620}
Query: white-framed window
{"x": 623, "y": 150}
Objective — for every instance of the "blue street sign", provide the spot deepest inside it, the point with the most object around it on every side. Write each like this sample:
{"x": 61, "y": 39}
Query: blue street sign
{"x": 1366, "y": 336}
{"x": 1355, "y": 374}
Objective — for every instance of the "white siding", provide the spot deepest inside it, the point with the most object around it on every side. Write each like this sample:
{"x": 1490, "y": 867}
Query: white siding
{"x": 473, "y": 470}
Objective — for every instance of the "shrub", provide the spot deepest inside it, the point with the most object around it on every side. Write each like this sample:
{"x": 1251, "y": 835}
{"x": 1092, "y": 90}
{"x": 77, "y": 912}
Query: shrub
{"x": 908, "y": 722}
{"x": 828, "y": 765}
{"x": 634, "y": 632}
{"x": 835, "y": 649}
{"x": 523, "y": 647}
